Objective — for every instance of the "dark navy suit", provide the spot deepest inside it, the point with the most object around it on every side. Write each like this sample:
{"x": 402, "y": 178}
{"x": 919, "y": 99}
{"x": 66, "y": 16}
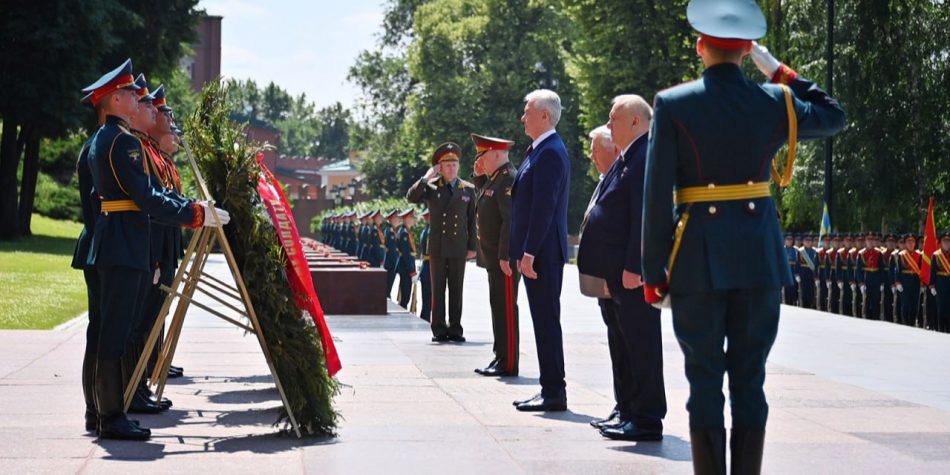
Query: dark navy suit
{"x": 539, "y": 228}
{"x": 724, "y": 129}
{"x": 610, "y": 244}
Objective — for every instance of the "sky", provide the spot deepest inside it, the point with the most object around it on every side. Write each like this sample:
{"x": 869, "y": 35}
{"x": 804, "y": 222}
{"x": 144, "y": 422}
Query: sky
{"x": 303, "y": 46}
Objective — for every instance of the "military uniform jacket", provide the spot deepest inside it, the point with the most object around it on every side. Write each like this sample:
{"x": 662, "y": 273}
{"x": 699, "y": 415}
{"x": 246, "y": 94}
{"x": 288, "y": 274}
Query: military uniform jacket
{"x": 870, "y": 267}
{"x": 493, "y": 215}
{"x": 451, "y": 215}
{"x": 392, "y": 248}
{"x": 907, "y": 268}
{"x": 723, "y": 129}
{"x": 165, "y": 237}
{"x": 407, "y": 252}
{"x": 116, "y": 163}
{"x": 940, "y": 271}
{"x": 807, "y": 263}
{"x": 90, "y": 206}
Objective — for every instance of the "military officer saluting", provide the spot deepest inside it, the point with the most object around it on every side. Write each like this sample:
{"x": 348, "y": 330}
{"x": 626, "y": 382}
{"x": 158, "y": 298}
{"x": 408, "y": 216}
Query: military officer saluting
{"x": 451, "y": 201}
{"x": 725, "y": 262}
{"x": 120, "y": 244}
{"x": 940, "y": 282}
{"x": 494, "y": 177}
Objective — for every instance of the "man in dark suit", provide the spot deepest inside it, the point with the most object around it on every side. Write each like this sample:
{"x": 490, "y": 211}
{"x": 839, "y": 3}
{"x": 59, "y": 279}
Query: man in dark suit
{"x": 718, "y": 255}
{"x": 494, "y": 176}
{"x": 451, "y": 239}
{"x": 610, "y": 249}
{"x": 538, "y": 241}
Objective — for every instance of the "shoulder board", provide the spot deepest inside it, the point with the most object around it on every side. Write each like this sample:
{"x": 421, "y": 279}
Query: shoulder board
{"x": 862, "y": 251}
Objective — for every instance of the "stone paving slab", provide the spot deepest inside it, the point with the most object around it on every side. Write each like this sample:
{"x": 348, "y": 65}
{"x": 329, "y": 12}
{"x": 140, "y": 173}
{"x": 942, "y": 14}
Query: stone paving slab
{"x": 847, "y": 396}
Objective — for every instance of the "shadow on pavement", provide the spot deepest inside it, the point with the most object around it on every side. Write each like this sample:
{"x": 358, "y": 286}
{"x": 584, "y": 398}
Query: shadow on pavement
{"x": 670, "y": 448}
{"x": 245, "y": 396}
{"x": 267, "y": 443}
{"x": 568, "y": 415}
{"x": 248, "y": 417}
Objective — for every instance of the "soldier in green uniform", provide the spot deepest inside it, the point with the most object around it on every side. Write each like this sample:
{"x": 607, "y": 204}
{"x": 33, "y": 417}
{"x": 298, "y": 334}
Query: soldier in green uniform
{"x": 406, "y": 265}
{"x": 119, "y": 249}
{"x": 451, "y": 202}
{"x": 705, "y": 161}
{"x": 376, "y": 253}
{"x": 940, "y": 282}
{"x": 493, "y": 178}
{"x": 869, "y": 276}
{"x": 425, "y": 277}
{"x": 906, "y": 276}
{"x": 392, "y": 248}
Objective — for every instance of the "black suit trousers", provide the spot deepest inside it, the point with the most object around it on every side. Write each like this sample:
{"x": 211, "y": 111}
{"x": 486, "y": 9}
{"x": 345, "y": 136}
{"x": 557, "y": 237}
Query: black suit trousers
{"x": 447, "y": 273}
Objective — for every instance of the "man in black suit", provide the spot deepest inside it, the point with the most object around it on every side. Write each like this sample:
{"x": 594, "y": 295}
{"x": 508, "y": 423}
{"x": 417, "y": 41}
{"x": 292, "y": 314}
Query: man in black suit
{"x": 539, "y": 241}
{"x": 610, "y": 249}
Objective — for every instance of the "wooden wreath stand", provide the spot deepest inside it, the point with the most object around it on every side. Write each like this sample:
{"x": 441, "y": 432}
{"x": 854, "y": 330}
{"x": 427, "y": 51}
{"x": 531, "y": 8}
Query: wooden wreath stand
{"x": 189, "y": 278}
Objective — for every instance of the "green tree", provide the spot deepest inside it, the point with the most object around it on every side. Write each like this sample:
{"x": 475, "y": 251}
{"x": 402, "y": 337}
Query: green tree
{"x": 333, "y": 132}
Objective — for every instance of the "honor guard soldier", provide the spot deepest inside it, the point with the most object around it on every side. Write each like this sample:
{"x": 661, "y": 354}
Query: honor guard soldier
{"x": 353, "y": 244}
{"x": 887, "y": 262}
{"x": 857, "y": 242}
{"x": 324, "y": 224}
{"x": 451, "y": 201}
{"x": 425, "y": 277}
{"x": 821, "y": 282}
{"x": 120, "y": 244}
{"x": 376, "y": 239}
{"x": 906, "y": 270}
{"x": 790, "y": 292}
{"x": 842, "y": 275}
{"x": 870, "y": 272}
{"x": 89, "y": 201}
{"x": 707, "y": 145}
{"x": 406, "y": 265}
{"x": 895, "y": 274}
{"x": 807, "y": 268}
{"x": 392, "y": 248}
{"x": 494, "y": 176}
{"x": 940, "y": 282}
{"x": 834, "y": 286}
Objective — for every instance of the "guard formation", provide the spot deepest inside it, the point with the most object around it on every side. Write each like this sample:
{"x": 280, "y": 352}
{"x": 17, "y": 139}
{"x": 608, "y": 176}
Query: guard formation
{"x": 708, "y": 160}
{"x": 132, "y": 212}
{"x": 871, "y": 275}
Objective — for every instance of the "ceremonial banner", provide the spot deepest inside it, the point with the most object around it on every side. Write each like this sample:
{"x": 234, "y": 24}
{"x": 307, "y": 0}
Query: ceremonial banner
{"x": 298, "y": 272}
{"x": 930, "y": 244}
{"x": 825, "y": 226}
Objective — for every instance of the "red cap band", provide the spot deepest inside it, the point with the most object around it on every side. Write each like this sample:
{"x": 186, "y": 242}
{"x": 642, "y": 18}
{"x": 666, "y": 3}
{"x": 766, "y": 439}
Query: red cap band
{"x": 113, "y": 85}
{"x": 725, "y": 43}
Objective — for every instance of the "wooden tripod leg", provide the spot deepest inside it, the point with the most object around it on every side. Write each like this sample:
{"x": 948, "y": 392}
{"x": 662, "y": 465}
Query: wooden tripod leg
{"x": 156, "y": 329}
{"x": 204, "y": 251}
{"x": 189, "y": 262}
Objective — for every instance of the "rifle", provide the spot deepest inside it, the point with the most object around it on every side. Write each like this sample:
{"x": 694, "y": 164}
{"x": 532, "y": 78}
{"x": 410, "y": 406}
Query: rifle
{"x": 412, "y": 303}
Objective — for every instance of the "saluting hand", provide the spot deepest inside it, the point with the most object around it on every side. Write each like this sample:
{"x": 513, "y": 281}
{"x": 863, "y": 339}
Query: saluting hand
{"x": 526, "y": 266}
{"x": 433, "y": 171}
{"x": 479, "y": 167}
{"x": 631, "y": 281}
{"x": 764, "y": 60}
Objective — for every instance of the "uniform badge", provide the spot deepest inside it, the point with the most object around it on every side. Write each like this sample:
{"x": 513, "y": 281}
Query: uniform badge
{"x": 466, "y": 198}
{"x": 508, "y": 191}
{"x": 489, "y": 193}
{"x": 134, "y": 155}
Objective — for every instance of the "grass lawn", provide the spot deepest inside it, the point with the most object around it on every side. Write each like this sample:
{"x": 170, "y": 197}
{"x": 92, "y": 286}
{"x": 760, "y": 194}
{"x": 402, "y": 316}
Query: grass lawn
{"x": 38, "y": 288}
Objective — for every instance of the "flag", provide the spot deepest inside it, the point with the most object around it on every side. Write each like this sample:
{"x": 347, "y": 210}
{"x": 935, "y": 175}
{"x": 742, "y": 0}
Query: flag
{"x": 930, "y": 244}
{"x": 825, "y": 228}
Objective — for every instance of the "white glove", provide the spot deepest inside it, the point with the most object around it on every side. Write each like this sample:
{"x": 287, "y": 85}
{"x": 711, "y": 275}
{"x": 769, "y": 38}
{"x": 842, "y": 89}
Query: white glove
{"x": 841, "y": 285}
{"x": 864, "y": 289}
{"x": 798, "y": 279}
{"x": 828, "y": 285}
{"x": 156, "y": 275}
{"x": 209, "y": 218}
{"x": 900, "y": 288}
{"x": 817, "y": 284}
{"x": 853, "y": 287}
{"x": 933, "y": 292}
{"x": 882, "y": 287}
{"x": 415, "y": 278}
{"x": 764, "y": 60}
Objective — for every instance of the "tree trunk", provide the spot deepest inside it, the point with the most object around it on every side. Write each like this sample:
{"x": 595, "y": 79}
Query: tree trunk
{"x": 31, "y": 168}
{"x": 9, "y": 159}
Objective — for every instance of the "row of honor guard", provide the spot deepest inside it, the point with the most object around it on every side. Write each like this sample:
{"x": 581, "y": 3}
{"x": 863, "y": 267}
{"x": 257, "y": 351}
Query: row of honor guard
{"x": 130, "y": 244}
{"x": 871, "y": 275}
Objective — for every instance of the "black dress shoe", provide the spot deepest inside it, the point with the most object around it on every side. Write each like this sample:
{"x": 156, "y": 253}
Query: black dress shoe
{"x": 123, "y": 429}
{"x": 631, "y": 431}
{"x": 497, "y": 371}
{"x": 147, "y": 393}
{"x": 523, "y": 401}
{"x": 440, "y": 338}
{"x": 611, "y": 419}
{"x": 175, "y": 372}
{"x": 142, "y": 405}
{"x": 456, "y": 338}
{"x": 544, "y": 404}
{"x": 491, "y": 365}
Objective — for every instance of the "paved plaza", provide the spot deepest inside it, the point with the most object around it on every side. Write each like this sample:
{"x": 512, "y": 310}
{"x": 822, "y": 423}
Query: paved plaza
{"x": 846, "y": 395}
